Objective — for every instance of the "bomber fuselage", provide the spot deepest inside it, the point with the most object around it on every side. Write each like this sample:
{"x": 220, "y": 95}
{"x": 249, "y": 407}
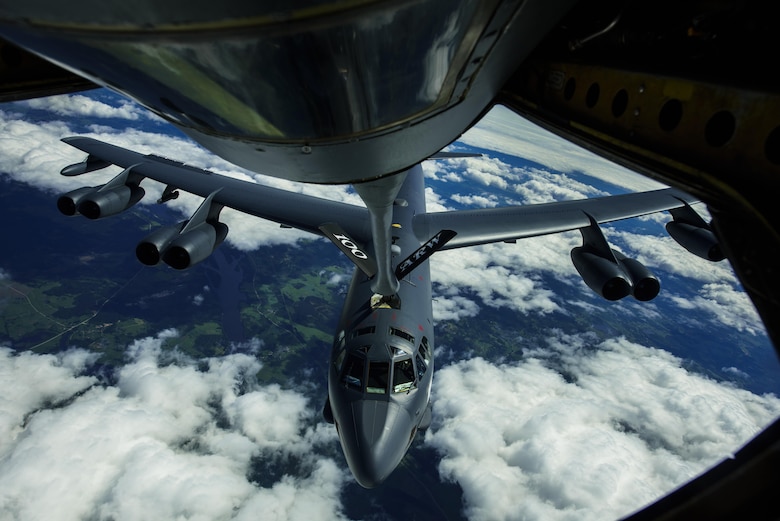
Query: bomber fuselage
{"x": 381, "y": 365}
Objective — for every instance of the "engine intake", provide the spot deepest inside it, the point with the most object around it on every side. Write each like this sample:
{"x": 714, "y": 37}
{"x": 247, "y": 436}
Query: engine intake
{"x": 68, "y": 203}
{"x": 181, "y": 250}
{"x": 150, "y": 250}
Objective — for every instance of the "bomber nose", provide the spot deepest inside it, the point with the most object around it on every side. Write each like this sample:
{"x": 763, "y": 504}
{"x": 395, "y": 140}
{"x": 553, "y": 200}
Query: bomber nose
{"x": 372, "y": 469}
{"x": 381, "y": 433}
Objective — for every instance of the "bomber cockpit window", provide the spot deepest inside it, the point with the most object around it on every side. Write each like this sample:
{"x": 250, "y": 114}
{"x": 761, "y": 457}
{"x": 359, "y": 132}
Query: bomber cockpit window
{"x": 352, "y": 376}
{"x": 378, "y": 377}
{"x": 423, "y": 358}
{"x": 368, "y": 330}
{"x": 402, "y": 334}
{"x": 403, "y": 376}
{"x": 340, "y": 340}
{"x": 339, "y": 351}
{"x": 339, "y": 359}
{"x": 421, "y": 366}
{"x": 425, "y": 349}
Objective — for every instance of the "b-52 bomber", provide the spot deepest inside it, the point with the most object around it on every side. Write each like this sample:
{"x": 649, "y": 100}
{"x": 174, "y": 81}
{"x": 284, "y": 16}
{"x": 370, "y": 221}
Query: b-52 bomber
{"x": 358, "y": 92}
{"x": 381, "y": 363}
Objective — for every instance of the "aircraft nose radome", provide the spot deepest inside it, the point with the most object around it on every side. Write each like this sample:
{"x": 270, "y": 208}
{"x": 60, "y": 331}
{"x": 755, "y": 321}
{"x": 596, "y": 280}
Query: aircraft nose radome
{"x": 381, "y": 442}
{"x": 374, "y": 465}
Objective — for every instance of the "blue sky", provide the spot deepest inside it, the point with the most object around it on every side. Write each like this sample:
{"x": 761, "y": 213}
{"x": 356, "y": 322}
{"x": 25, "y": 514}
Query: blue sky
{"x": 522, "y": 441}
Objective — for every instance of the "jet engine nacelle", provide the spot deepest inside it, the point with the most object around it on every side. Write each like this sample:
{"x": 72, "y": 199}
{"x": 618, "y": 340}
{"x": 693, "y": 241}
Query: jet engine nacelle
{"x": 181, "y": 250}
{"x": 68, "y": 203}
{"x": 195, "y": 245}
{"x": 644, "y": 285}
{"x": 602, "y": 275}
{"x": 697, "y": 240}
{"x": 102, "y": 203}
{"x": 95, "y": 202}
{"x": 150, "y": 250}
{"x": 615, "y": 279}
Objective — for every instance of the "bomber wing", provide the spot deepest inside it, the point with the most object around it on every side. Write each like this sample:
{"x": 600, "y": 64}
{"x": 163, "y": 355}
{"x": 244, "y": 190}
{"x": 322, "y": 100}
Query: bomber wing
{"x": 299, "y": 211}
{"x": 483, "y": 226}
{"x": 606, "y": 271}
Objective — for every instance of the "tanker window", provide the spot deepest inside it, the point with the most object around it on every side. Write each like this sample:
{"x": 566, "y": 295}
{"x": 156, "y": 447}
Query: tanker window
{"x": 378, "y": 377}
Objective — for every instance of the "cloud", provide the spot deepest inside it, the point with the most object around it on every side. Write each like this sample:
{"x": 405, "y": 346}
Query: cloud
{"x": 29, "y": 381}
{"x": 485, "y": 171}
{"x": 461, "y": 275}
{"x": 69, "y": 105}
{"x": 335, "y": 279}
{"x": 476, "y": 201}
{"x": 726, "y": 305}
{"x": 453, "y": 307}
{"x": 742, "y": 375}
{"x": 510, "y": 276}
{"x": 504, "y": 131}
{"x": 173, "y": 438}
{"x": 434, "y": 202}
{"x": 533, "y": 185}
{"x": 580, "y": 430}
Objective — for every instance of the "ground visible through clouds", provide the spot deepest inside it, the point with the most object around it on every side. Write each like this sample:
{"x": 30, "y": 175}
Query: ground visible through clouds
{"x": 129, "y": 392}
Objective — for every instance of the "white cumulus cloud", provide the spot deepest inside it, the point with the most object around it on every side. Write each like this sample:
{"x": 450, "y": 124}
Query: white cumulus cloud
{"x": 79, "y": 105}
{"x": 625, "y": 425}
{"x": 170, "y": 440}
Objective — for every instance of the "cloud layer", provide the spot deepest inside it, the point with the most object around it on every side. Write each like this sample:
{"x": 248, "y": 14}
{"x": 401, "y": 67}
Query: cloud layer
{"x": 171, "y": 439}
{"x": 579, "y": 430}
{"x": 503, "y": 131}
